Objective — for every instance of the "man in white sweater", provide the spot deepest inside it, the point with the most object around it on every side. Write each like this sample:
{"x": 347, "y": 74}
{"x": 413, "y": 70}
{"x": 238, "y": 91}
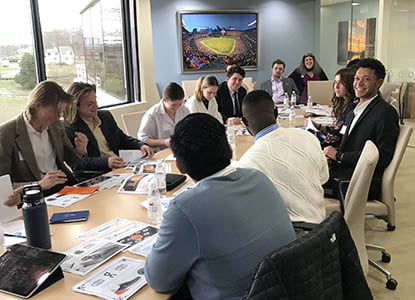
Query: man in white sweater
{"x": 290, "y": 157}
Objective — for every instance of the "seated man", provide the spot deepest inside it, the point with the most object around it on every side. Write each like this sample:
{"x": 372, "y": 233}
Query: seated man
{"x": 158, "y": 122}
{"x": 213, "y": 236}
{"x": 279, "y": 85}
{"x": 372, "y": 119}
{"x": 231, "y": 93}
{"x": 290, "y": 157}
{"x": 105, "y": 138}
{"x": 34, "y": 146}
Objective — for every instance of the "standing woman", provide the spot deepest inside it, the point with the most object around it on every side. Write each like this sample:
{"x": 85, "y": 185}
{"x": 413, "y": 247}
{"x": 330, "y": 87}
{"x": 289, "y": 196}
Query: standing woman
{"x": 342, "y": 103}
{"x": 204, "y": 100}
{"x": 309, "y": 69}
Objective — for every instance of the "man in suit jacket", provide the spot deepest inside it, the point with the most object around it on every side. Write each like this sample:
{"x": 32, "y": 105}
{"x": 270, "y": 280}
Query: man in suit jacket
{"x": 230, "y": 94}
{"x": 34, "y": 146}
{"x": 277, "y": 86}
{"x": 372, "y": 119}
{"x": 105, "y": 138}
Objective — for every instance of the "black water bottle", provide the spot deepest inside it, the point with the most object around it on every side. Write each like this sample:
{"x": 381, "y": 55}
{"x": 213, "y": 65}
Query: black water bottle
{"x": 35, "y": 216}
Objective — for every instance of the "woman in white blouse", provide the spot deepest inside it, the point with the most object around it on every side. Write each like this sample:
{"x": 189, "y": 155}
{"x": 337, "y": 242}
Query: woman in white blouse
{"x": 203, "y": 99}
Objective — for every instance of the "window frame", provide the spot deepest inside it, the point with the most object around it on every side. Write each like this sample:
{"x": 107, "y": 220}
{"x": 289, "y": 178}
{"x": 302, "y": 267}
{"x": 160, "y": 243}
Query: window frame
{"x": 130, "y": 49}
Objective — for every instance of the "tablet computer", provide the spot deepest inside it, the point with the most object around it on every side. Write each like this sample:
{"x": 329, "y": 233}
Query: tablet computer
{"x": 25, "y": 270}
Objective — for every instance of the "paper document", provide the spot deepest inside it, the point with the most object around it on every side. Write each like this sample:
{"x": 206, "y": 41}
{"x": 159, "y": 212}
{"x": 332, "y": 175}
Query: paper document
{"x": 137, "y": 184}
{"x": 310, "y": 126}
{"x": 87, "y": 256}
{"x": 165, "y": 201}
{"x": 6, "y": 213}
{"x": 14, "y": 228}
{"x": 123, "y": 231}
{"x": 119, "y": 281}
{"x": 131, "y": 156}
{"x": 64, "y": 200}
{"x": 144, "y": 247}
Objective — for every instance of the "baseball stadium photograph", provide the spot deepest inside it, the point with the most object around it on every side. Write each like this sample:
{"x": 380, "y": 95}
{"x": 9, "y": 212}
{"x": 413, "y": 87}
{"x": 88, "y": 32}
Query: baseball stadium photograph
{"x": 212, "y": 39}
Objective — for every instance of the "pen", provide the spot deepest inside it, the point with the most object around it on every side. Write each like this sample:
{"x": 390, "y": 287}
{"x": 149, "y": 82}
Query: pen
{"x": 14, "y": 235}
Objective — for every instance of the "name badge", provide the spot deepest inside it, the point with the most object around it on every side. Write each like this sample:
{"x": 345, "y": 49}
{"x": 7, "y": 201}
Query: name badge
{"x": 343, "y": 130}
{"x": 21, "y": 158}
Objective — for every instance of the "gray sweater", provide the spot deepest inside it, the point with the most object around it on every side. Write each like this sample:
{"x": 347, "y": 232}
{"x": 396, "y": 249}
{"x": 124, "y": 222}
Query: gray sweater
{"x": 214, "y": 235}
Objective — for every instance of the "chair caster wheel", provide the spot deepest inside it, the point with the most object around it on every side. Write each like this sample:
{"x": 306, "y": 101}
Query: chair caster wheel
{"x": 391, "y": 227}
{"x": 386, "y": 257}
{"x": 391, "y": 284}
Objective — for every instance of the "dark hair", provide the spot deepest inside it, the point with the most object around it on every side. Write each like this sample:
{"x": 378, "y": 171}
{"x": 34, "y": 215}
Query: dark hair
{"x": 204, "y": 82}
{"x": 316, "y": 67}
{"x": 79, "y": 90}
{"x": 279, "y": 62}
{"x": 173, "y": 91}
{"x": 234, "y": 70}
{"x": 340, "y": 103}
{"x": 46, "y": 93}
{"x": 375, "y": 65}
{"x": 200, "y": 145}
{"x": 230, "y": 62}
{"x": 258, "y": 101}
{"x": 353, "y": 63}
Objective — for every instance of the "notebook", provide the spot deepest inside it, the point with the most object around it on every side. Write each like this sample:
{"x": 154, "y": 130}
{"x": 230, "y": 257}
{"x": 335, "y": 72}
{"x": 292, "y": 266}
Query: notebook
{"x": 70, "y": 216}
{"x": 26, "y": 270}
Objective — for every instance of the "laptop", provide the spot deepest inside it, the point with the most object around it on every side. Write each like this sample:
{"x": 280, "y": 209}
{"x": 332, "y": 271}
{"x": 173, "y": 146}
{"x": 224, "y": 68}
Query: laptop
{"x": 26, "y": 270}
{"x": 321, "y": 92}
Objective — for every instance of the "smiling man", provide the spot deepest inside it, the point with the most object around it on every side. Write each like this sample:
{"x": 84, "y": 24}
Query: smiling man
{"x": 372, "y": 119}
{"x": 231, "y": 93}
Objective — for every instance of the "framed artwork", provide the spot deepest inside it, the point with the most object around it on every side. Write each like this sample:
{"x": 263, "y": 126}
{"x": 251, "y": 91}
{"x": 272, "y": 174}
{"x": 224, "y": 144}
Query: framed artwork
{"x": 209, "y": 39}
{"x": 356, "y": 40}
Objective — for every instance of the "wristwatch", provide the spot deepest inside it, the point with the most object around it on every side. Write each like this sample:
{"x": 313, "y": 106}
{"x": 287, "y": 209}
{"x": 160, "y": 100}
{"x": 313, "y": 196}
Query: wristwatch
{"x": 339, "y": 157}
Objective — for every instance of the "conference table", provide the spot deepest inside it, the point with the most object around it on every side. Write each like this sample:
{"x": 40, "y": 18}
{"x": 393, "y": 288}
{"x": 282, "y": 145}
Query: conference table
{"x": 105, "y": 206}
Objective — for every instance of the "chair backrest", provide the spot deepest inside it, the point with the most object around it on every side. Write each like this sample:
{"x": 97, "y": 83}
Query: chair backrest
{"x": 321, "y": 92}
{"x": 388, "y": 179}
{"x": 402, "y": 91}
{"x": 246, "y": 83}
{"x": 387, "y": 88}
{"x": 356, "y": 197}
{"x": 189, "y": 87}
{"x": 131, "y": 122}
{"x": 323, "y": 264}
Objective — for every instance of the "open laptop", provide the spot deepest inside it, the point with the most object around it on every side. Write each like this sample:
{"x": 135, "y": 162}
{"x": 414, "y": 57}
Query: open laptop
{"x": 321, "y": 92}
{"x": 26, "y": 270}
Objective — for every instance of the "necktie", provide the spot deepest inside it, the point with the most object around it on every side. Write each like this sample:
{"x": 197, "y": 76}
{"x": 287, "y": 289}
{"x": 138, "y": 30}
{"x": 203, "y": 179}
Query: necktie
{"x": 236, "y": 109}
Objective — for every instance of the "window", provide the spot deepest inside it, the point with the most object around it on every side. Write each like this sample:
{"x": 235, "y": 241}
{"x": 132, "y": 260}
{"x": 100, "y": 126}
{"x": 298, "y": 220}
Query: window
{"x": 17, "y": 69}
{"x": 72, "y": 40}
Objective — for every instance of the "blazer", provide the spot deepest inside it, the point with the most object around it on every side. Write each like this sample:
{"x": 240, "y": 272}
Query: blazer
{"x": 18, "y": 159}
{"x": 225, "y": 103}
{"x": 115, "y": 137}
{"x": 287, "y": 83}
{"x": 378, "y": 123}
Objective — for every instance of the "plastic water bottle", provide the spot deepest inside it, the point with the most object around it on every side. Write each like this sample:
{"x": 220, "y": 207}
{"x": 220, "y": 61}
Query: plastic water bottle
{"x": 154, "y": 205}
{"x": 309, "y": 103}
{"x": 160, "y": 178}
{"x": 293, "y": 99}
{"x": 230, "y": 133}
{"x": 286, "y": 100}
{"x": 35, "y": 217}
{"x": 291, "y": 116}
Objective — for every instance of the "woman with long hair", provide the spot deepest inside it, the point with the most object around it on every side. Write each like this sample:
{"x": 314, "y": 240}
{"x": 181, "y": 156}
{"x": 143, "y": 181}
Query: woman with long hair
{"x": 309, "y": 70}
{"x": 342, "y": 103}
{"x": 204, "y": 100}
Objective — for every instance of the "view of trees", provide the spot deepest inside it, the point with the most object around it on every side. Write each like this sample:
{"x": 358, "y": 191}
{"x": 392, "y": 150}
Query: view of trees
{"x": 27, "y": 76}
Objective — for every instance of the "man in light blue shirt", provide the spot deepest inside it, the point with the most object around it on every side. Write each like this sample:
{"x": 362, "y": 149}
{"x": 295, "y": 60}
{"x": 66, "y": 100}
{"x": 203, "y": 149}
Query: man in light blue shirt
{"x": 213, "y": 236}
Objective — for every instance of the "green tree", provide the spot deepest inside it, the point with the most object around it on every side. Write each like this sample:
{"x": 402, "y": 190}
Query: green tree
{"x": 27, "y": 76}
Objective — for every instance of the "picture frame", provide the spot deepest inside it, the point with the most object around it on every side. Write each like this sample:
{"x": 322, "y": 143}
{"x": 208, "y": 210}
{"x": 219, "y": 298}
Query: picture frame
{"x": 210, "y": 39}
